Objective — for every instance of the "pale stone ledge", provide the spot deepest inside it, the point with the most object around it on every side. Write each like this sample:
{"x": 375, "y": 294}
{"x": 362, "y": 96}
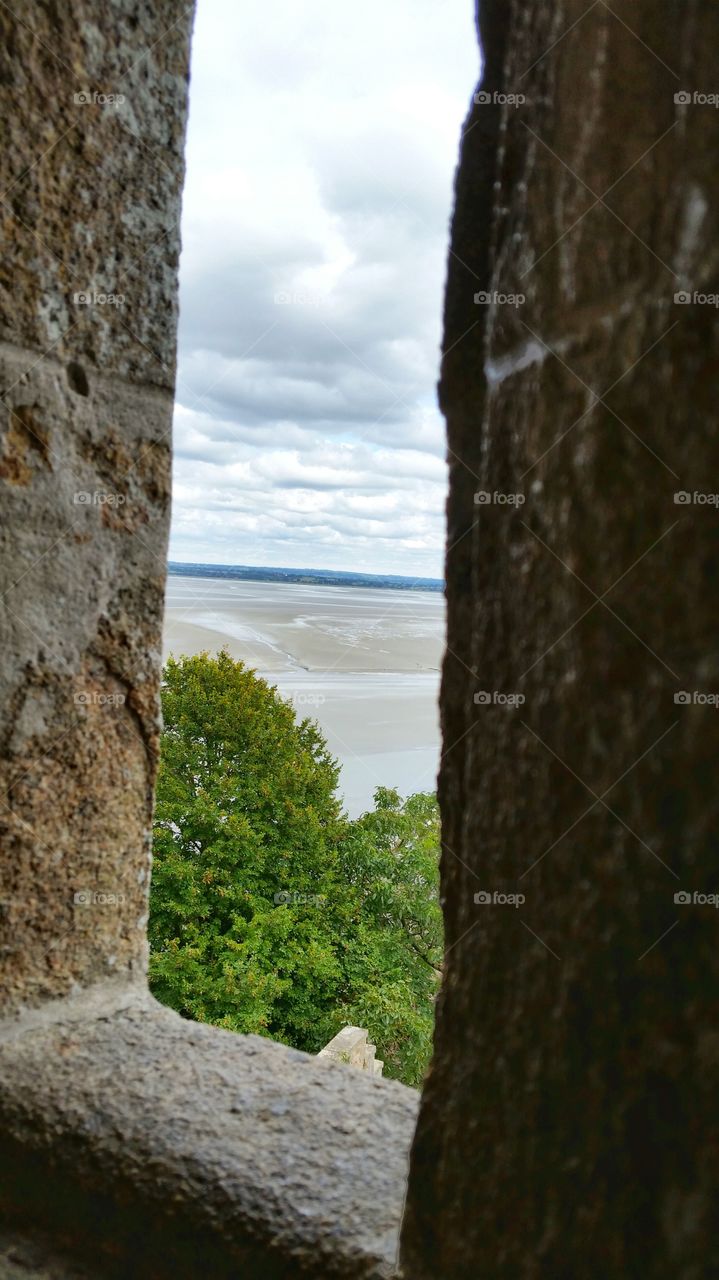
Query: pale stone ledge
{"x": 352, "y": 1048}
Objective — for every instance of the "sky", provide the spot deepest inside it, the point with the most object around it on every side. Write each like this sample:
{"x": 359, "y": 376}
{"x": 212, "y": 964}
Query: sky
{"x": 322, "y": 143}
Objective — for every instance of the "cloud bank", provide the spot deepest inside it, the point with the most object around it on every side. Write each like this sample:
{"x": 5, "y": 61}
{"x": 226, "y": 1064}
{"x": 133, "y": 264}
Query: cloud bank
{"x": 321, "y": 149}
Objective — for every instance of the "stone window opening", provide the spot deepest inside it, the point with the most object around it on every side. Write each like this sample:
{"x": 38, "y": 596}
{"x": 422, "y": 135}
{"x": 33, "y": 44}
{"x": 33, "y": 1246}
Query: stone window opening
{"x": 566, "y": 1128}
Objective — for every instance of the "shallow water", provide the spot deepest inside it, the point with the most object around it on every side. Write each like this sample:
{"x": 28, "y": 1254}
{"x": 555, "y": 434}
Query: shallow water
{"x": 364, "y": 663}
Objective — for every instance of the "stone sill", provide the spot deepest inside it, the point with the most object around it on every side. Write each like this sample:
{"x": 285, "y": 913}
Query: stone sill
{"x": 145, "y": 1144}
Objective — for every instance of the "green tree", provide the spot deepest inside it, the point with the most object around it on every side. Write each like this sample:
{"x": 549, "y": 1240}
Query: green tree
{"x": 270, "y": 911}
{"x": 393, "y": 949}
{"x": 247, "y": 818}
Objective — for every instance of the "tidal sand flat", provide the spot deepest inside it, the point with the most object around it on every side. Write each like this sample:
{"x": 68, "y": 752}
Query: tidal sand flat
{"x": 364, "y": 663}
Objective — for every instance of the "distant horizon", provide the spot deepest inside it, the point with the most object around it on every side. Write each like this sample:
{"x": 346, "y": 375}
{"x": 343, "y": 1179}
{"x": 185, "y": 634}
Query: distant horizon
{"x": 287, "y": 573}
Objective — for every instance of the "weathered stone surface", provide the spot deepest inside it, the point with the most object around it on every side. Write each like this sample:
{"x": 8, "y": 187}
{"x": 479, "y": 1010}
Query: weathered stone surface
{"x": 177, "y": 1149}
{"x": 94, "y": 104}
{"x": 82, "y": 588}
{"x": 33, "y": 1255}
{"x": 568, "y": 1129}
{"x": 351, "y": 1048}
{"x": 89, "y": 202}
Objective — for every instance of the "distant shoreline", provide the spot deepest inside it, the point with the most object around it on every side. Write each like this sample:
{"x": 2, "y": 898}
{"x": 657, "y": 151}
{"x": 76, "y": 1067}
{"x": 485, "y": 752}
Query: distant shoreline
{"x": 312, "y": 577}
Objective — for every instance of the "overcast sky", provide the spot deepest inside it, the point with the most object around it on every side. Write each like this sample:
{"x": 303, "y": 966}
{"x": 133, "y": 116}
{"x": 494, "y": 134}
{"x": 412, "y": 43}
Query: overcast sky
{"x": 322, "y": 143}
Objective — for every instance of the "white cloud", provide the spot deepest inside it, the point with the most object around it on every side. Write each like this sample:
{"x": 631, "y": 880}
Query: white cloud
{"x": 321, "y": 149}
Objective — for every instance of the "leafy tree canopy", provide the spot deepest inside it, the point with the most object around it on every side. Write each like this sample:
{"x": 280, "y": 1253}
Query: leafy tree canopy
{"x": 271, "y": 912}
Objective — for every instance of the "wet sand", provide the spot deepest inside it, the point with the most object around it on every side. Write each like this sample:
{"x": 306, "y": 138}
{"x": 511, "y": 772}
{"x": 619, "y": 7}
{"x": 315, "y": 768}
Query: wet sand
{"x": 363, "y": 663}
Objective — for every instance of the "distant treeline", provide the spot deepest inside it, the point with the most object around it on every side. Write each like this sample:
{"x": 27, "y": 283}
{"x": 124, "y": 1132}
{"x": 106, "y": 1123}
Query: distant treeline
{"x": 311, "y": 577}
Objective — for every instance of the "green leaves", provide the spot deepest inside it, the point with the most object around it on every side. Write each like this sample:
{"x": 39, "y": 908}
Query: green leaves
{"x": 270, "y": 911}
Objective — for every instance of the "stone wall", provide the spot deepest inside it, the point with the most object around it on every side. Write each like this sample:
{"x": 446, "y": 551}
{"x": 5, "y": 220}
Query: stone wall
{"x": 568, "y": 1128}
{"x": 91, "y": 169}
